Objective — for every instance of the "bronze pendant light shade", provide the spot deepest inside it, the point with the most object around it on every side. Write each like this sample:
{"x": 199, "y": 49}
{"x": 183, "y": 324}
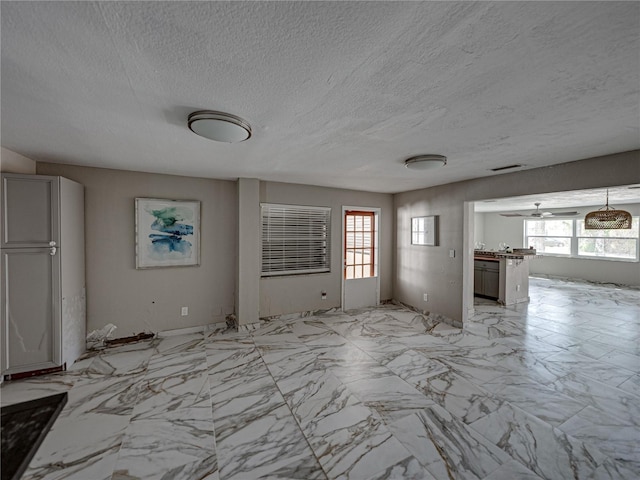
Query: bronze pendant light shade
{"x": 607, "y": 218}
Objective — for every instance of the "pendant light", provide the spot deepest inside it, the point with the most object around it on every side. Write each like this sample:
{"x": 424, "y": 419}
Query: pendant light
{"x": 607, "y": 218}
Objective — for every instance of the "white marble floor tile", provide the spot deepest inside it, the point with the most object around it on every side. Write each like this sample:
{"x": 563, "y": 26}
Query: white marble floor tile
{"x": 124, "y": 360}
{"x": 541, "y": 401}
{"x": 409, "y": 469}
{"x": 16, "y": 391}
{"x": 79, "y": 448}
{"x": 609, "y": 400}
{"x": 321, "y": 396}
{"x": 354, "y": 443}
{"x": 567, "y": 362}
{"x": 446, "y": 447}
{"x": 174, "y": 392}
{"x": 181, "y": 343}
{"x": 612, "y": 436}
{"x": 623, "y": 360}
{"x": 548, "y": 389}
{"x": 415, "y": 368}
{"x": 591, "y": 348}
{"x": 541, "y": 448}
{"x": 632, "y": 385}
{"x": 460, "y": 397}
{"x": 388, "y": 395}
{"x": 168, "y": 448}
{"x": 475, "y": 369}
{"x": 270, "y": 443}
{"x": 109, "y": 395}
{"x": 512, "y": 470}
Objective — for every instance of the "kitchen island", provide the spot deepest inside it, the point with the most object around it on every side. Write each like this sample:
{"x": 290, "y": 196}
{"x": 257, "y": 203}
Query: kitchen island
{"x": 502, "y": 276}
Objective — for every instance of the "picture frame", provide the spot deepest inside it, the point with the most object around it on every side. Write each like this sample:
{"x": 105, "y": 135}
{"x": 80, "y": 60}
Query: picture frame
{"x": 167, "y": 233}
{"x": 424, "y": 230}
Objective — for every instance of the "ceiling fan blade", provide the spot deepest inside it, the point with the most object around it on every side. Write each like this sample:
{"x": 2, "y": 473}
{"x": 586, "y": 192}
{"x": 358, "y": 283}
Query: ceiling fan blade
{"x": 512, "y": 215}
{"x": 565, "y": 214}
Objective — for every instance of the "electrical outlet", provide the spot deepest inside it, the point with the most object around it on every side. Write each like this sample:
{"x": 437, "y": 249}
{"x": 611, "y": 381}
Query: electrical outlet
{"x": 452, "y": 253}
{"x": 184, "y": 311}
{"x": 323, "y": 295}
{"x": 425, "y": 297}
{"x": 517, "y": 288}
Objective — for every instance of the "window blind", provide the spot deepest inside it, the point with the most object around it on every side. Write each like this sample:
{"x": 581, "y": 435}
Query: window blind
{"x": 295, "y": 239}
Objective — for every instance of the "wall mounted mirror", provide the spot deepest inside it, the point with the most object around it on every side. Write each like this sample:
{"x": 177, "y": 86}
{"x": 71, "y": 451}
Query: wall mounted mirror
{"x": 424, "y": 230}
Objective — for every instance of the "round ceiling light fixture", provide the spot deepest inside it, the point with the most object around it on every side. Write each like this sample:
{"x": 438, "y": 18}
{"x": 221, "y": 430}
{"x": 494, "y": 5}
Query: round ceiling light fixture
{"x": 219, "y": 126}
{"x": 425, "y": 162}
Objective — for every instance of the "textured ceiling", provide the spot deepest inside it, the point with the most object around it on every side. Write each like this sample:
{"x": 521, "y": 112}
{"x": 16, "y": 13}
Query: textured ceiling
{"x": 571, "y": 199}
{"x": 338, "y": 93}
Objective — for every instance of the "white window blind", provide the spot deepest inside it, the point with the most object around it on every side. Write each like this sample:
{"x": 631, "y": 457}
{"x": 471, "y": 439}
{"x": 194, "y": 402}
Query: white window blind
{"x": 295, "y": 239}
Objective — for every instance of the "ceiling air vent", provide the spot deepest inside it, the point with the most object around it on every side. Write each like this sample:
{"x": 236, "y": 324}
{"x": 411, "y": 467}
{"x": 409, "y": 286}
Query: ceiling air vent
{"x": 508, "y": 167}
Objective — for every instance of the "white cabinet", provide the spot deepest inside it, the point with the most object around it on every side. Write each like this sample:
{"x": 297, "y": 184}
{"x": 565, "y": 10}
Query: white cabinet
{"x": 43, "y": 314}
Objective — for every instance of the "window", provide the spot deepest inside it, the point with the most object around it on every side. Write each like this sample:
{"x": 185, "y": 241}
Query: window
{"x": 295, "y": 239}
{"x": 568, "y": 237}
{"x": 549, "y": 236}
{"x": 620, "y": 244}
{"x": 359, "y": 245}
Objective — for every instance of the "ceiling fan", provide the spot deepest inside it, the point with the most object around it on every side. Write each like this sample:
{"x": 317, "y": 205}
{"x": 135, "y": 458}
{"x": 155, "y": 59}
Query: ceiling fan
{"x": 539, "y": 214}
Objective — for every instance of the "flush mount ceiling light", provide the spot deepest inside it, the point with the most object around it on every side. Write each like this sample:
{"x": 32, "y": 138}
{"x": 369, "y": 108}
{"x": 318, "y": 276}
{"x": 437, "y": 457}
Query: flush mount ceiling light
{"x": 219, "y": 126}
{"x": 607, "y": 218}
{"x": 425, "y": 162}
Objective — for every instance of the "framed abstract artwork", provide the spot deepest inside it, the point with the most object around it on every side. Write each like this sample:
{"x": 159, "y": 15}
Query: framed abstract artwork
{"x": 167, "y": 233}
{"x": 424, "y": 230}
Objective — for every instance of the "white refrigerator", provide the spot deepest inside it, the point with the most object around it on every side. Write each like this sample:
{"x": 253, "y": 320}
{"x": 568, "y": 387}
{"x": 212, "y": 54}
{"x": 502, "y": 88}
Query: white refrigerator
{"x": 43, "y": 314}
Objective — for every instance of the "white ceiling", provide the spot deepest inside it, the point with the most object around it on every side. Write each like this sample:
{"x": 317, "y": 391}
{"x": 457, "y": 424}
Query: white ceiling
{"x": 337, "y": 93}
{"x": 564, "y": 200}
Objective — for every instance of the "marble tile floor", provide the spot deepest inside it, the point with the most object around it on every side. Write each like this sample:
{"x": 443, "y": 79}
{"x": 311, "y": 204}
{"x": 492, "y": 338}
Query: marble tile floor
{"x": 548, "y": 389}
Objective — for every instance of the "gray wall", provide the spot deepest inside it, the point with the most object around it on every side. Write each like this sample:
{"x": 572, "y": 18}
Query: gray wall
{"x": 279, "y": 295}
{"x": 420, "y": 269}
{"x": 478, "y": 228}
{"x": 12, "y": 162}
{"x": 150, "y": 300}
{"x": 504, "y": 229}
{"x": 249, "y": 246}
{"x": 498, "y": 229}
{"x": 139, "y": 300}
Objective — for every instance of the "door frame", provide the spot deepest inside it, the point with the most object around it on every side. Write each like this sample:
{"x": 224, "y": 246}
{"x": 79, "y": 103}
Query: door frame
{"x": 468, "y": 242}
{"x": 377, "y": 211}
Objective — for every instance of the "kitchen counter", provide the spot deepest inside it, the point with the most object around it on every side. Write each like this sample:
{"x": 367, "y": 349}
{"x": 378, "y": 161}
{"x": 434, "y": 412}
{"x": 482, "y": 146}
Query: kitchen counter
{"x": 502, "y": 276}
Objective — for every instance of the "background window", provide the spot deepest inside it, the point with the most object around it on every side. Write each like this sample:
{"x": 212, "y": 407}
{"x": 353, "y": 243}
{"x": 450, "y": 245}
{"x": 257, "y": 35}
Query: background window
{"x": 559, "y": 237}
{"x": 622, "y": 244}
{"x": 295, "y": 239}
{"x": 549, "y": 236}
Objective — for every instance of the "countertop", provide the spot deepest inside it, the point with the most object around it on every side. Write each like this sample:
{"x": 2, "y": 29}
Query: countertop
{"x": 496, "y": 256}
{"x": 488, "y": 259}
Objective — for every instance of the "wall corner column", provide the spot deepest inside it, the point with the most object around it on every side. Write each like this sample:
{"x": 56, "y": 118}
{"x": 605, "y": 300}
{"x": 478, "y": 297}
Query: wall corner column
{"x": 248, "y": 268}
